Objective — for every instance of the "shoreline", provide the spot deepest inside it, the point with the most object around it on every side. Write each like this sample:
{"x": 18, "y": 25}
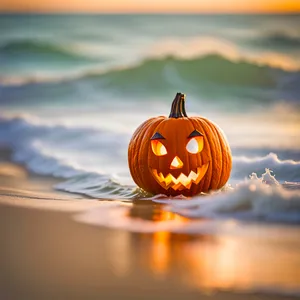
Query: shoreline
{"x": 47, "y": 254}
{"x": 20, "y": 187}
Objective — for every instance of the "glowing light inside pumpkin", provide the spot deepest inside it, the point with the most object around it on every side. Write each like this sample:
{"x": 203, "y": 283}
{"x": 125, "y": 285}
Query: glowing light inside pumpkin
{"x": 195, "y": 145}
{"x": 176, "y": 163}
{"x": 182, "y": 181}
{"x": 158, "y": 148}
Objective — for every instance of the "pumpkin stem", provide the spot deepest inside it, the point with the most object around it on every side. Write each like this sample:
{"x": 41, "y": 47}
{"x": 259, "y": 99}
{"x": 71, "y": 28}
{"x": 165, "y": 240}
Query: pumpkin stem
{"x": 178, "y": 107}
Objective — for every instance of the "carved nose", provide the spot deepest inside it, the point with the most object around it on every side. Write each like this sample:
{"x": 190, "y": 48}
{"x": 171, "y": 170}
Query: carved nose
{"x": 176, "y": 163}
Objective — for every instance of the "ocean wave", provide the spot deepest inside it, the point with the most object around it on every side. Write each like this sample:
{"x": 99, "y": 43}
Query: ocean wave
{"x": 259, "y": 198}
{"x": 285, "y": 169}
{"x": 35, "y": 145}
{"x": 76, "y": 179}
{"x": 278, "y": 39}
{"x": 35, "y": 49}
{"x": 195, "y": 75}
{"x": 212, "y": 68}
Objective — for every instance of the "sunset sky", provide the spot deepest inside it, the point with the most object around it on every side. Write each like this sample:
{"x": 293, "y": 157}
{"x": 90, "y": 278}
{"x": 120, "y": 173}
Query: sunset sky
{"x": 151, "y": 6}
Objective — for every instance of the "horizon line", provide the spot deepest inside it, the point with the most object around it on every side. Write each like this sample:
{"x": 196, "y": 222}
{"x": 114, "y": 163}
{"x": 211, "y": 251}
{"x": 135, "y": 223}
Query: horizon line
{"x": 7, "y": 12}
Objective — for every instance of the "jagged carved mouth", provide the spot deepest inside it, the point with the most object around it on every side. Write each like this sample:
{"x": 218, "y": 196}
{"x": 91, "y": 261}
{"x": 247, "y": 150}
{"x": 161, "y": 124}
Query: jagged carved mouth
{"x": 182, "y": 181}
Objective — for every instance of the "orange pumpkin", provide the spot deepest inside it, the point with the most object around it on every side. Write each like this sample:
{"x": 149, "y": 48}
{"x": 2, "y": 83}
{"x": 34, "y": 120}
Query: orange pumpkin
{"x": 179, "y": 155}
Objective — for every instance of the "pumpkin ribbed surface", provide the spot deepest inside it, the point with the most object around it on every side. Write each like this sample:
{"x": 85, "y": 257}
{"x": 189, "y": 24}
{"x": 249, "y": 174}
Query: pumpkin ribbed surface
{"x": 197, "y": 172}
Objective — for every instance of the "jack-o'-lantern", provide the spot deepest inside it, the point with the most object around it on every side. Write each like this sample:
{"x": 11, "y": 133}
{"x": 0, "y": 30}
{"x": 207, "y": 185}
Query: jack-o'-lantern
{"x": 179, "y": 155}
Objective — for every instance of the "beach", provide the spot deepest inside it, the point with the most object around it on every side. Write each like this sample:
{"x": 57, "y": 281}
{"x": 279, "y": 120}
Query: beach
{"x": 46, "y": 254}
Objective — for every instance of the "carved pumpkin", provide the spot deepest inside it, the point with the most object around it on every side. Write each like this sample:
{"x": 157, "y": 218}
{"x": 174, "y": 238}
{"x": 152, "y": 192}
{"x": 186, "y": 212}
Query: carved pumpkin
{"x": 179, "y": 155}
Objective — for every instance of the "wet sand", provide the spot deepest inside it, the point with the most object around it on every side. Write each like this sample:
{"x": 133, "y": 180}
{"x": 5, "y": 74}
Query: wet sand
{"x": 46, "y": 254}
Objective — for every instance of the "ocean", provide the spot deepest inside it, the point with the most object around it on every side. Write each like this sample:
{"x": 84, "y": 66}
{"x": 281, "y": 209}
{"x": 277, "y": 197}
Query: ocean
{"x": 73, "y": 88}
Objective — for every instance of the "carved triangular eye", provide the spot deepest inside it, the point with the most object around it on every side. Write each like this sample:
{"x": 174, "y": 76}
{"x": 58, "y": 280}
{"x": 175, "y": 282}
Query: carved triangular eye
{"x": 195, "y": 133}
{"x": 195, "y": 145}
{"x": 157, "y": 136}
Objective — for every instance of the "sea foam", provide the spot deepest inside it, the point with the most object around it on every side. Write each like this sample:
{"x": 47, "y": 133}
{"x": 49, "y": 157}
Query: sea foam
{"x": 257, "y": 198}
{"x": 93, "y": 161}
{"x": 236, "y": 211}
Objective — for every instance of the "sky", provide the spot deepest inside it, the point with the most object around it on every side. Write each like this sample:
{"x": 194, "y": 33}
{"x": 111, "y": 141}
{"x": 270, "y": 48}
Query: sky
{"x": 151, "y": 6}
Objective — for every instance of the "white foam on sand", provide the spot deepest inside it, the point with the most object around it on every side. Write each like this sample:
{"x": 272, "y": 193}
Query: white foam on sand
{"x": 233, "y": 211}
{"x": 257, "y": 198}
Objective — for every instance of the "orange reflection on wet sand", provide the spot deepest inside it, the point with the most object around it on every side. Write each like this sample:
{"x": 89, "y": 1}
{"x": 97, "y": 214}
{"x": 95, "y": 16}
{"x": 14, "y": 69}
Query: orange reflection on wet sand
{"x": 219, "y": 262}
{"x": 160, "y": 250}
{"x": 49, "y": 251}
{"x": 159, "y": 259}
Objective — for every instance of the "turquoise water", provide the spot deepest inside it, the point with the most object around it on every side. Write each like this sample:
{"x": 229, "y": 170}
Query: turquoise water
{"x": 73, "y": 88}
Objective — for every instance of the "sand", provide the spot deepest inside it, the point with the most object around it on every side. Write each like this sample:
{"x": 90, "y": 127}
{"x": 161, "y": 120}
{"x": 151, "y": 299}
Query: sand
{"x": 46, "y": 254}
